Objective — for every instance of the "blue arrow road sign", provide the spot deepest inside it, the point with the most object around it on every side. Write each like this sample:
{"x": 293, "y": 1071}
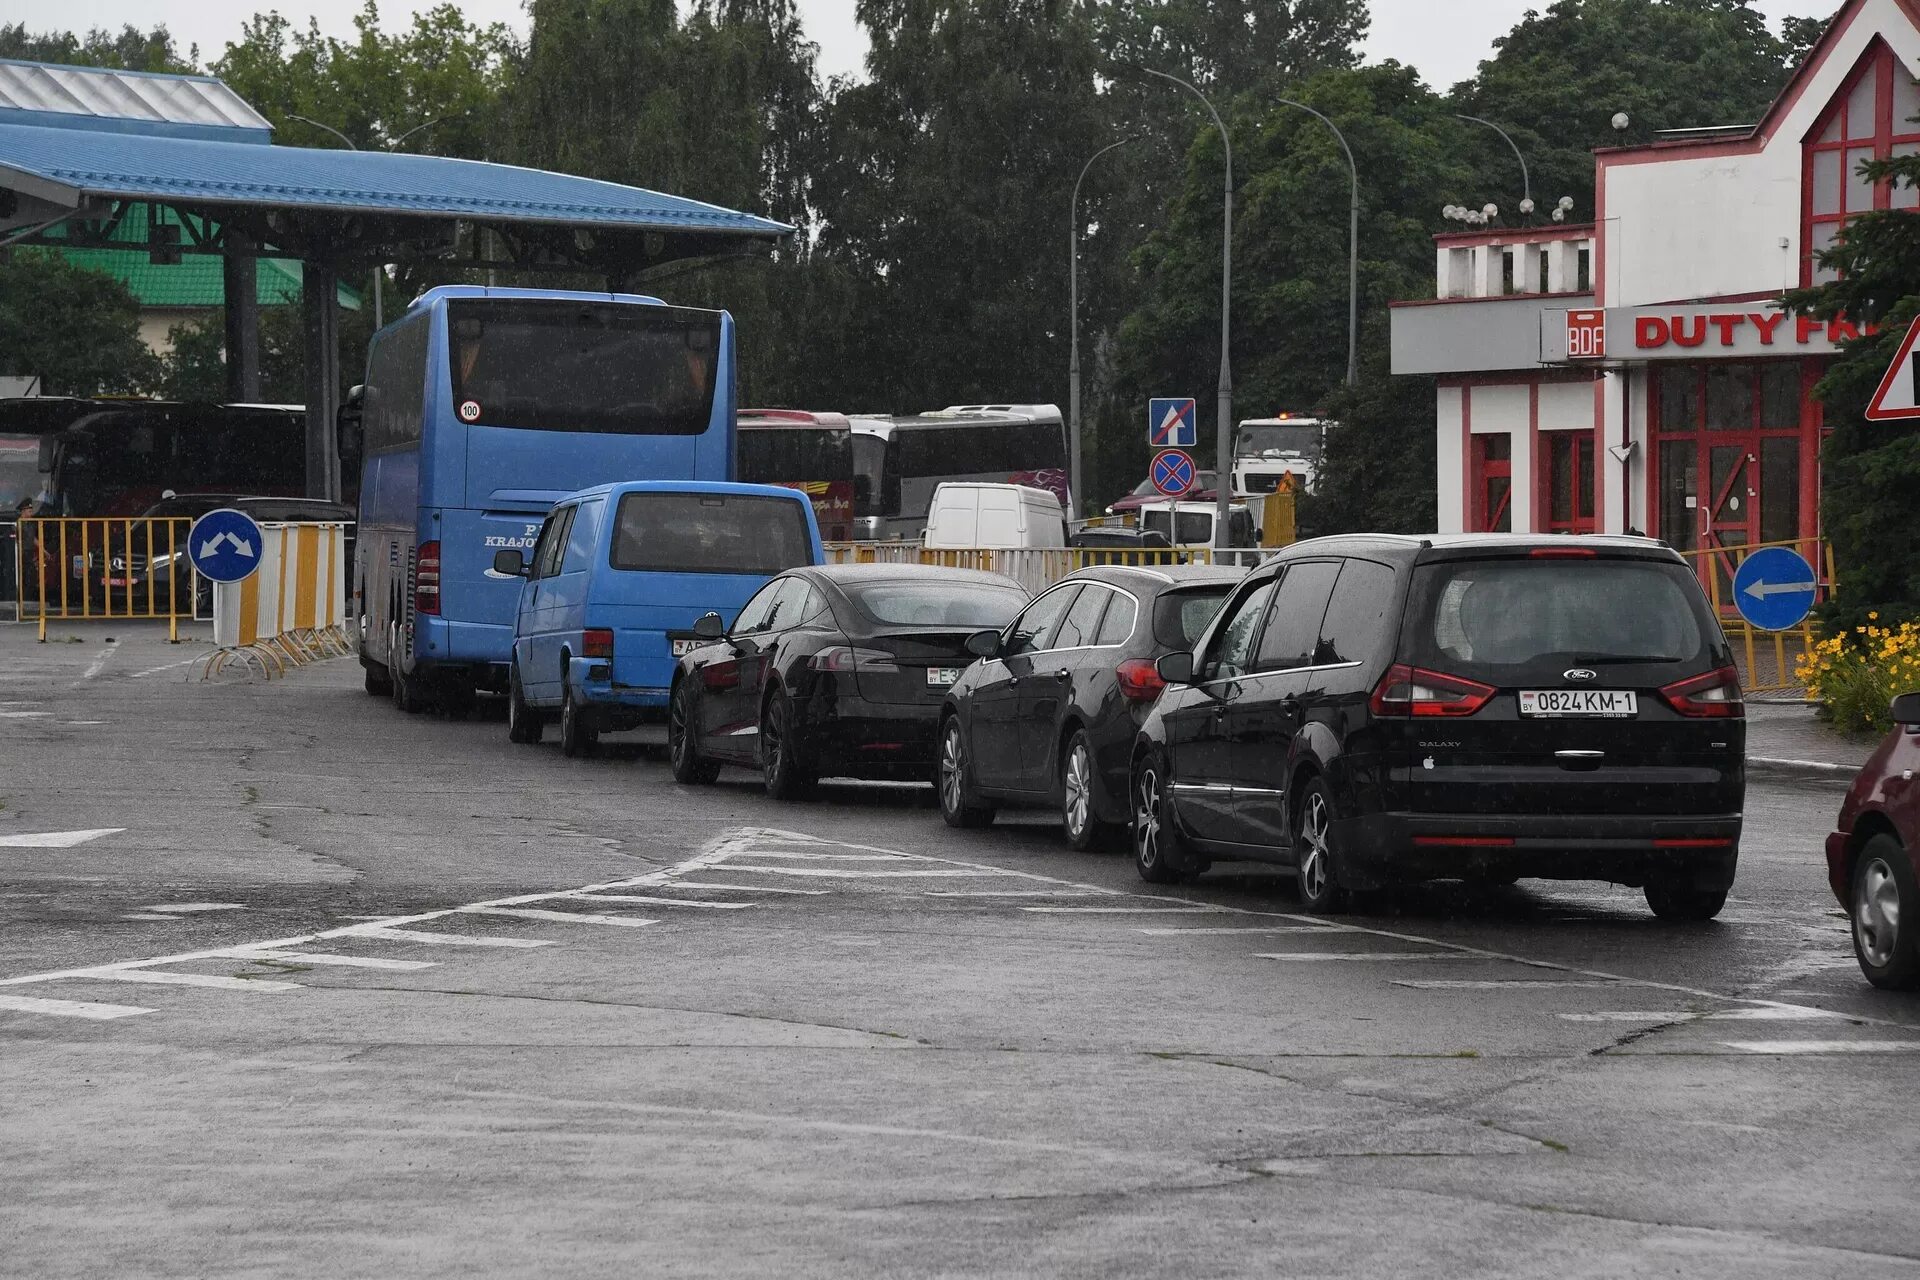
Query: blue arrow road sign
{"x": 1172, "y": 472}
{"x": 1774, "y": 588}
{"x": 1172, "y": 423}
{"x": 225, "y": 545}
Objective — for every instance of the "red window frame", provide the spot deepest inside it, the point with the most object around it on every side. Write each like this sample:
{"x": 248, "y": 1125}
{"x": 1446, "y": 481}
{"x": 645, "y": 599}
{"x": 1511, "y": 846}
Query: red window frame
{"x": 1878, "y": 135}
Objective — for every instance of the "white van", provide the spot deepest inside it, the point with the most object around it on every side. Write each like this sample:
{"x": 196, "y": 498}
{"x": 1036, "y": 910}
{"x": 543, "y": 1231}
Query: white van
{"x": 967, "y": 513}
{"x": 1190, "y": 524}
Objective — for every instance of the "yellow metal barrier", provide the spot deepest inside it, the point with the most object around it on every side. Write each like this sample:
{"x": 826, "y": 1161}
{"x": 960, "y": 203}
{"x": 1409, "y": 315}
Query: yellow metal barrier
{"x": 99, "y": 568}
{"x": 1034, "y": 568}
{"x": 291, "y": 611}
{"x": 1767, "y": 658}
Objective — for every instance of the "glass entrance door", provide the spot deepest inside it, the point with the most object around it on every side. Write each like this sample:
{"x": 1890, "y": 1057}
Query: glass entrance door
{"x": 1567, "y": 485}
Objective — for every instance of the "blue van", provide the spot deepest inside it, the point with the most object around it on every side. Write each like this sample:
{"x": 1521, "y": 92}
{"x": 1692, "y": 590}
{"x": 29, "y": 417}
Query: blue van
{"x": 618, "y": 586}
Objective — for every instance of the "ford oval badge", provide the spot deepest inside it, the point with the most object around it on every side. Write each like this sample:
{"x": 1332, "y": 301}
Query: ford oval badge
{"x": 1581, "y": 673}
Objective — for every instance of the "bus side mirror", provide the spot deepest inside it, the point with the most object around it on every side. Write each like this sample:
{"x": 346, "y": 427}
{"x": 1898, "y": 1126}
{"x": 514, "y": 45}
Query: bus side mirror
{"x": 984, "y": 644}
{"x": 510, "y": 563}
{"x": 1175, "y": 668}
{"x": 710, "y": 627}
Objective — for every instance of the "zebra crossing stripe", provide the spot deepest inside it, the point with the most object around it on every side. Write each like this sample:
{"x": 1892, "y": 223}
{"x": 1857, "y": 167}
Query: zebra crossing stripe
{"x": 453, "y": 939}
{"x": 70, "y": 1008}
{"x": 562, "y": 917}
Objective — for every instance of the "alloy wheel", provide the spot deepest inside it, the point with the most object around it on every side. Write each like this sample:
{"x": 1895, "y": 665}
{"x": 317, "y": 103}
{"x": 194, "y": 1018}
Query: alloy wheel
{"x": 953, "y": 762}
{"x": 773, "y": 738}
{"x": 1146, "y": 818}
{"x": 1876, "y": 913}
{"x": 1076, "y": 788}
{"x": 677, "y": 741}
{"x": 1313, "y": 859}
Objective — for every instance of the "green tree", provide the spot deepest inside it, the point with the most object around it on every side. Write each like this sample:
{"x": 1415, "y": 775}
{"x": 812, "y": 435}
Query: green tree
{"x": 1557, "y": 79}
{"x": 1230, "y": 47}
{"x": 194, "y": 367}
{"x": 1870, "y": 471}
{"x": 78, "y": 330}
{"x": 128, "y": 49}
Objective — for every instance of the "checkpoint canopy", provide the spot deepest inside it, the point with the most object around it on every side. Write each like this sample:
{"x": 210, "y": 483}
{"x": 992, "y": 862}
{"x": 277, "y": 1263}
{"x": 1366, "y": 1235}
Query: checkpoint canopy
{"x": 80, "y": 147}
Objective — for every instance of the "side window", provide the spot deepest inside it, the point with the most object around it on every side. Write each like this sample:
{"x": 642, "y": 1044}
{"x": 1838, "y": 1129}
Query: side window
{"x": 1033, "y": 630}
{"x": 578, "y": 557}
{"x": 1358, "y": 615}
{"x": 1117, "y": 626}
{"x": 1082, "y": 622}
{"x": 789, "y": 607}
{"x": 755, "y": 613}
{"x": 540, "y": 548}
{"x": 1232, "y": 651}
{"x": 559, "y": 524}
{"x": 1294, "y": 629}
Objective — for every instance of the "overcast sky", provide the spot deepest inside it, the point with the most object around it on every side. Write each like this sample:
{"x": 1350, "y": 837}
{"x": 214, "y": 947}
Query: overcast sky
{"x": 1445, "y": 39}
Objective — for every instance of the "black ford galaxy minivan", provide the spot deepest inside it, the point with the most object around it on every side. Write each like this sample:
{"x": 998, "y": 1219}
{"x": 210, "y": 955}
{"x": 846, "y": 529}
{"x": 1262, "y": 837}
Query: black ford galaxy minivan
{"x": 1376, "y": 709}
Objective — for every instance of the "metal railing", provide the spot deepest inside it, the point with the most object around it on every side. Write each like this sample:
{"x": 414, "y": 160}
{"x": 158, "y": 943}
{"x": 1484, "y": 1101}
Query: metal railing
{"x": 99, "y": 568}
{"x": 1767, "y": 658}
{"x": 1034, "y": 568}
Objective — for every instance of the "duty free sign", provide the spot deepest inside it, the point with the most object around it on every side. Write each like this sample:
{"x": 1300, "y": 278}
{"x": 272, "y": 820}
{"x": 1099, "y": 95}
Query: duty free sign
{"x": 1684, "y": 333}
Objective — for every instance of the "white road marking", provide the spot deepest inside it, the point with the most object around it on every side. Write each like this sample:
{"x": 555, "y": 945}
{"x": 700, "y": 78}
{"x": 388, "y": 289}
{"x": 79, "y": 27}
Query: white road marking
{"x": 99, "y": 663}
{"x": 75, "y": 724}
{"x": 1823, "y": 1046}
{"x": 148, "y": 915}
{"x": 744, "y": 888}
{"x": 1009, "y": 893}
{"x": 455, "y": 939}
{"x": 562, "y": 917}
{"x": 851, "y": 872}
{"x": 163, "y": 978}
{"x": 1494, "y": 985}
{"x": 1361, "y": 955}
{"x": 24, "y": 715}
{"x": 1251, "y": 930}
{"x": 670, "y": 902}
{"x": 56, "y": 839}
{"x": 70, "y": 1008}
{"x": 798, "y": 856}
{"x": 1127, "y": 911}
{"x": 187, "y": 908}
{"x": 1766, "y": 1013}
{"x": 327, "y": 958}
{"x": 171, "y": 666}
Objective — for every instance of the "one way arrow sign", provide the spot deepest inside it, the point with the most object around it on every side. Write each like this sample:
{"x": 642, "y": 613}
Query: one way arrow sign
{"x": 225, "y": 545}
{"x": 240, "y": 545}
{"x": 1899, "y": 393}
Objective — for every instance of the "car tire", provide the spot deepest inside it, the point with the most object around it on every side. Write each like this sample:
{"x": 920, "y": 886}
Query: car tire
{"x": 953, "y": 783}
{"x": 786, "y": 775}
{"x": 1316, "y": 862}
{"x": 1159, "y": 855}
{"x": 683, "y": 738}
{"x": 524, "y": 724}
{"x": 378, "y": 683}
{"x": 1676, "y": 899}
{"x": 578, "y": 734}
{"x": 1882, "y": 902}
{"x": 1078, "y": 823}
{"x": 405, "y": 688}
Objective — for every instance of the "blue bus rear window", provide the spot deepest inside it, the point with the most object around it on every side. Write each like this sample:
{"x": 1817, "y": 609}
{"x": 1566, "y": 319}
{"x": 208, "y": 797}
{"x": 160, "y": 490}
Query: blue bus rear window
{"x": 577, "y": 366}
{"x": 710, "y": 533}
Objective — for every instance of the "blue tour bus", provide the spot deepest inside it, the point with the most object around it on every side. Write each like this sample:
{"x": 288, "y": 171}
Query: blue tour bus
{"x": 616, "y": 587}
{"x": 484, "y": 407}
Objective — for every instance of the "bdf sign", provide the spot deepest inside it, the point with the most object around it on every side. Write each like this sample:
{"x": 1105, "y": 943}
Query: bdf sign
{"x": 1586, "y": 335}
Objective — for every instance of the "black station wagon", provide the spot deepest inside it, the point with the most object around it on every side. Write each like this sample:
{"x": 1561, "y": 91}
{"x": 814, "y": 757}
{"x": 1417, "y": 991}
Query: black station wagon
{"x": 1374, "y": 709}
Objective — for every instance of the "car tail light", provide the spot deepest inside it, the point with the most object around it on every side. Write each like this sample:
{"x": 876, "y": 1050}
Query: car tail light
{"x": 1139, "y": 680}
{"x": 1410, "y": 691}
{"x": 848, "y": 658}
{"x": 426, "y": 579}
{"x": 596, "y": 642}
{"x": 1713, "y": 696}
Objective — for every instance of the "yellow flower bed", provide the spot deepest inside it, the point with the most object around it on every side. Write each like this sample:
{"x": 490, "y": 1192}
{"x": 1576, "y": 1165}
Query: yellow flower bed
{"x": 1855, "y": 676}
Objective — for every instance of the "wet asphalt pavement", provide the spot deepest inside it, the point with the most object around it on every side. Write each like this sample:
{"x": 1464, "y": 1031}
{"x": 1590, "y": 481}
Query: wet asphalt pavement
{"x": 525, "y": 1015}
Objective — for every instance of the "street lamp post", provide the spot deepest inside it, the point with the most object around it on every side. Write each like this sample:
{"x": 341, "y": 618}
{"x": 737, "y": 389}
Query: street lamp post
{"x": 1073, "y": 303}
{"x": 1223, "y": 429}
{"x": 1526, "y": 186}
{"x": 380, "y": 270}
{"x": 1353, "y": 243}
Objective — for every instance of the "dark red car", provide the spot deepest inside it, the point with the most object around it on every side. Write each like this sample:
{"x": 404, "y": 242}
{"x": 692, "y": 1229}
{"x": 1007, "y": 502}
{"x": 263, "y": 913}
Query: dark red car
{"x": 1871, "y": 859}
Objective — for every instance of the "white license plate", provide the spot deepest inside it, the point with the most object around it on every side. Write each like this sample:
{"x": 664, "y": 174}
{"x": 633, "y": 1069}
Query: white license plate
{"x": 681, "y": 648}
{"x": 1617, "y": 704}
{"x": 942, "y": 675}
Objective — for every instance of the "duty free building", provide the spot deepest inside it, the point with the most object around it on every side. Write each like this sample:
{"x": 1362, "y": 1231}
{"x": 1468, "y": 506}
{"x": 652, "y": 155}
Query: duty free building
{"x": 1635, "y": 373}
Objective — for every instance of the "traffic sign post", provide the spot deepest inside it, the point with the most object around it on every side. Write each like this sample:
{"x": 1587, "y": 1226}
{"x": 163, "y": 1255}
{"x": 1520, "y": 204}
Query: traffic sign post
{"x": 1774, "y": 588}
{"x": 1898, "y": 396}
{"x": 1172, "y": 471}
{"x": 1172, "y": 423}
{"x": 225, "y": 547}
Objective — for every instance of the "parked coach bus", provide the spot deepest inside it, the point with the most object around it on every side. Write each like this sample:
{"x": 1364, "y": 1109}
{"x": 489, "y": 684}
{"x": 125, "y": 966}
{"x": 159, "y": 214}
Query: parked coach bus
{"x": 483, "y": 408}
{"x": 812, "y": 452}
{"x": 899, "y": 461}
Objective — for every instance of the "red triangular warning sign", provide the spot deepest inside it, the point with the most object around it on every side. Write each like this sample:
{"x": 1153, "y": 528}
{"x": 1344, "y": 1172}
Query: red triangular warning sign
{"x": 1899, "y": 393}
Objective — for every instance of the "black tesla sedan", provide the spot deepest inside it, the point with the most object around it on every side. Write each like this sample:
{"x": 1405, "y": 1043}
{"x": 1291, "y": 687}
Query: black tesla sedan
{"x": 1049, "y": 717}
{"x": 831, "y": 670}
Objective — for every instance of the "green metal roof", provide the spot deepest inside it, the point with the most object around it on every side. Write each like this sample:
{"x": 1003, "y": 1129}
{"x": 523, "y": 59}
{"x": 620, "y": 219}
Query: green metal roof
{"x": 194, "y": 281}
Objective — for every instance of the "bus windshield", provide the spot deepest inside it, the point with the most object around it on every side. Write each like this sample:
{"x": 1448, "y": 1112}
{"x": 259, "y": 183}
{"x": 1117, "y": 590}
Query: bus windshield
{"x": 710, "y": 533}
{"x": 1258, "y": 439}
{"x": 816, "y": 460}
{"x": 583, "y": 366}
{"x": 120, "y": 463}
{"x": 906, "y": 462}
{"x": 19, "y": 471}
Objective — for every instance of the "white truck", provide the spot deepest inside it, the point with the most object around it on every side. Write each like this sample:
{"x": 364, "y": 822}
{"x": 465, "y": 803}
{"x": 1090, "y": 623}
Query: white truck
{"x": 1265, "y": 449}
{"x": 967, "y": 513}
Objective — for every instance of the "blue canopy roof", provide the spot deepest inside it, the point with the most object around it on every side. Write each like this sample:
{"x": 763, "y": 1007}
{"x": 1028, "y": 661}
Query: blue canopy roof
{"x": 72, "y": 167}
